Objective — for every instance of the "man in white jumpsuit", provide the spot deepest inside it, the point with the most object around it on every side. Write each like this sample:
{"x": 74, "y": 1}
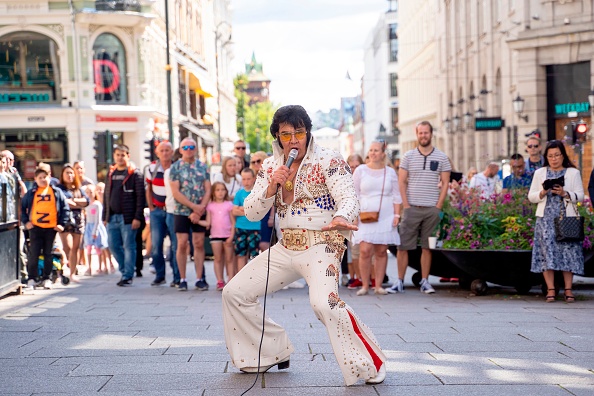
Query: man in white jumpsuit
{"x": 316, "y": 204}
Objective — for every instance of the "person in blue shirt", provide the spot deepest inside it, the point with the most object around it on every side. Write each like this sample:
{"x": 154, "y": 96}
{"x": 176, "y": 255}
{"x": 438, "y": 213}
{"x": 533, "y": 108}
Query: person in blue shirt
{"x": 519, "y": 178}
{"x": 247, "y": 233}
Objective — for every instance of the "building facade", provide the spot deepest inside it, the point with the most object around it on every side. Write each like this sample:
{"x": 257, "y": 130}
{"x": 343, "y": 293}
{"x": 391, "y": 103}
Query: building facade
{"x": 512, "y": 66}
{"x": 380, "y": 84}
{"x": 71, "y": 71}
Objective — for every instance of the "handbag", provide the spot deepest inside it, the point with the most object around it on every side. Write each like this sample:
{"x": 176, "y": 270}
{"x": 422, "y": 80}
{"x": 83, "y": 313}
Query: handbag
{"x": 569, "y": 228}
{"x": 373, "y": 217}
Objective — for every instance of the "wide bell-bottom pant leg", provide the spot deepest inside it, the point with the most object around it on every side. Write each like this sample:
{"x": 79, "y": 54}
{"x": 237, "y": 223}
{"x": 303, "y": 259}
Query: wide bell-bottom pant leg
{"x": 242, "y": 311}
{"x": 356, "y": 350}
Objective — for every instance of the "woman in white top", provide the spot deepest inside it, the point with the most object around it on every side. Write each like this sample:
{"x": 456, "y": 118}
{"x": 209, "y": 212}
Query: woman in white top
{"x": 549, "y": 255}
{"x": 377, "y": 187}
{"x": 229, "y": 176}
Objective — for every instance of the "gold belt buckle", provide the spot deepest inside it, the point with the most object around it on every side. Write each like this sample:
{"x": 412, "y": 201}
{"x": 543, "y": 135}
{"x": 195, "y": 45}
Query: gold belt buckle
{"x": 296, "y": 239}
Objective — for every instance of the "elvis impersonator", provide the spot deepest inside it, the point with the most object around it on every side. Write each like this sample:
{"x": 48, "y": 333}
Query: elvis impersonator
{"x": 316, "y": 204}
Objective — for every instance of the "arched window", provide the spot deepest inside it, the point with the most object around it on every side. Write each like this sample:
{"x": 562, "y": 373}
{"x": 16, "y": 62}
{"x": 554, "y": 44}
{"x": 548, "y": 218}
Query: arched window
{"x": 29, "y": 69}
{"x": 109, "y": 66}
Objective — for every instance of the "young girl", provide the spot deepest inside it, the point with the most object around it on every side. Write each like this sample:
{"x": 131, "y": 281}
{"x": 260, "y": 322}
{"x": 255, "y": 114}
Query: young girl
{"x": 222, "y": 230}
{"x": 105, "y": 253}
{"x": 95, "y": 232}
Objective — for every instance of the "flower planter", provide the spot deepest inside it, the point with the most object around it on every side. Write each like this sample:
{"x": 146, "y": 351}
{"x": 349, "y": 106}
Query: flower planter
{"x": 503, "y": 267}
{"x": 440, "y": 265}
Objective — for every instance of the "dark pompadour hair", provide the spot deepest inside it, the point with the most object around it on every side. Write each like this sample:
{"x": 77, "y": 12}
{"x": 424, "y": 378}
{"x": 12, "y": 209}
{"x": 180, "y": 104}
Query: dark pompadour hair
{"x": 294, "y": 115}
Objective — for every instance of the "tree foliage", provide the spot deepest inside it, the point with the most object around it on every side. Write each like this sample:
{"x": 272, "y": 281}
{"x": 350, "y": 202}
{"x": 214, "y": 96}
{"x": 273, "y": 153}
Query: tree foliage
{"x": 253, "y": 121}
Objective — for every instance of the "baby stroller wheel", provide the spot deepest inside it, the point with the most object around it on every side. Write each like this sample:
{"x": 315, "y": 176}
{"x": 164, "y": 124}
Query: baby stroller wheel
{"x": 65, "y": 280}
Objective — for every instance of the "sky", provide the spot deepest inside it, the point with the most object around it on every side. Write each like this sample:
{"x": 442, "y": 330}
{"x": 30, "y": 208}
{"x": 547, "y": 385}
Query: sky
{"x": 306, "y": 46}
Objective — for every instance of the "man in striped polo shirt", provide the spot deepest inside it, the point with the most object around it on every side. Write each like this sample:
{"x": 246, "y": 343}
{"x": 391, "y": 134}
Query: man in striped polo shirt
{"x": 422, "y": 172}
{"x": 161, "y": 221}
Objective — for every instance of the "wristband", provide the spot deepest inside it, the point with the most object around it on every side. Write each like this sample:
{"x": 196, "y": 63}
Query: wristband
{"x": 397, "y": 215}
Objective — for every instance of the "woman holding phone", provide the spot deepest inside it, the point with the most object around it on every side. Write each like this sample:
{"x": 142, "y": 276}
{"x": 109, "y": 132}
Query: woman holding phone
{"x": 554, "y": 188}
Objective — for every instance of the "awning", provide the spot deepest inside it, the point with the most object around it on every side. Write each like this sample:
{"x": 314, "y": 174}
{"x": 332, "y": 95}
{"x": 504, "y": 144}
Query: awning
{"x": 207, "y": 137}
{"x": 202, "y": 85}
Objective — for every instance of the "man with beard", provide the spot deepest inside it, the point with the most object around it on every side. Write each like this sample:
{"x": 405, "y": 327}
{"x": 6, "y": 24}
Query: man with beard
{"x": 421, "y": 171}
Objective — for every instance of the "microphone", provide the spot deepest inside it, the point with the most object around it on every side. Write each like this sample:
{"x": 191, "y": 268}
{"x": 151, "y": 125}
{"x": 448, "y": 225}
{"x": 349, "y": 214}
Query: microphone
{"x": 292, "y": 155}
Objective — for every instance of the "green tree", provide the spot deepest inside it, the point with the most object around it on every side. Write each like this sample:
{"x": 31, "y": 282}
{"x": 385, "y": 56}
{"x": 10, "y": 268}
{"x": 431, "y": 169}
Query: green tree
{"x": 253, "y": 121}
{"x": 241, "y": 82}
{"x": 258, "y": 119}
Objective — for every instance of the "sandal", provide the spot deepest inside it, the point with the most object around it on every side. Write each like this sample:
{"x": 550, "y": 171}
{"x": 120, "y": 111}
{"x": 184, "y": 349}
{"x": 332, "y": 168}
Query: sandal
{"x": 550, "y": 298}
{"x": 569, "y": 299}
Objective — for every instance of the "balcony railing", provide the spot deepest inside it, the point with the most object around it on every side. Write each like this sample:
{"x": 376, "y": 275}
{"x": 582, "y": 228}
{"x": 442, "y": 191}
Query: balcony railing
{"x": 117, "y": 5}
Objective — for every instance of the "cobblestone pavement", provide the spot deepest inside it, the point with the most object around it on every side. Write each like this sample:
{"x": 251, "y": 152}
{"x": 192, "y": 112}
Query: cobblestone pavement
{"x": 97, "y": 338}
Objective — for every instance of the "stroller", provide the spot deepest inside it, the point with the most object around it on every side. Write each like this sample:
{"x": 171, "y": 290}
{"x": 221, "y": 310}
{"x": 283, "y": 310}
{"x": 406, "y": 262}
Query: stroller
{"x": 56, "y": 267}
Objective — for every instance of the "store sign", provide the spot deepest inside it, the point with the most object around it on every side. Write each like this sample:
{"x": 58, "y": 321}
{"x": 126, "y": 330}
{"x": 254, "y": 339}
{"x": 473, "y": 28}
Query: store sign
{"x": 107, "y": 76}
{"x": 99, "y": 118}
{"x": 36, "y": 119}
{"x": 488, "y": 124}
{"x": 564, "y": 108}
{"x": 25, "y": 97}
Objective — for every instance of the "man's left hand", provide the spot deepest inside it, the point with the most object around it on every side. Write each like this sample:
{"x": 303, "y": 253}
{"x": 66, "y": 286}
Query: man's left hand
{"x": 340, "y": 224}
{"x": 135, "y": 224}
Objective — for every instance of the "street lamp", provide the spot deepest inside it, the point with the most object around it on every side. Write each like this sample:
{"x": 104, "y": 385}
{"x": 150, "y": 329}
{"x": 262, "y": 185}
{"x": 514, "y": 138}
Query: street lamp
{"x": 218, "y": 47}
{"x": 447, "y": 125}
{"x": 480, "y": 113}
{"x": 518, "y": 103}
{"x": 456, "y": 121}
{"x": 467, "y": 119}
{"x": 168, "y": 70}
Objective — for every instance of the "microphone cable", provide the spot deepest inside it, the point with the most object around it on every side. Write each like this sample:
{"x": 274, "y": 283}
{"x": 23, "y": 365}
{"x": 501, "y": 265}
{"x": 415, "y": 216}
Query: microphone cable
{"x": 272, "y": 235}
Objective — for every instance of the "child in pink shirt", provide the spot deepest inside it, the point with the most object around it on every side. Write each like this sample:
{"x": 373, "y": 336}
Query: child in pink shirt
{"x": 222, "y": 229}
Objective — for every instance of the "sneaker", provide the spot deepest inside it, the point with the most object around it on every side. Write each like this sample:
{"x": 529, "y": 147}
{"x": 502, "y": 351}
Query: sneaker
{"x": 355, "y": 284}
{"x": 125, "y": 282}
{"x": 31, "y": 284}
{"x": 47, "y": 284}
{"x": 201, "y": 285}
{"x": 183, "y": 286}
{"x": 174, "y": 284}
{"x": 397, "y": 287}
{"x": 152, "y": 269}
{"x": 345, "y": 279}
{"x": 296, "y": 285}
{"x": 426, "y": 287}
{"x": 220, "y": 285}
{"x": 138, "y": 274}
{"x": 158, "y": 282}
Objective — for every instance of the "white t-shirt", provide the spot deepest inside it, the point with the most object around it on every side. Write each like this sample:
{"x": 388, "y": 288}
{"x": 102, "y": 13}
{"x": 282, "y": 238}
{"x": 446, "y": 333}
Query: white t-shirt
{"x": 233, "y": 186}
{"x": 486, "y": 184}
{"x": 169, "y": 200}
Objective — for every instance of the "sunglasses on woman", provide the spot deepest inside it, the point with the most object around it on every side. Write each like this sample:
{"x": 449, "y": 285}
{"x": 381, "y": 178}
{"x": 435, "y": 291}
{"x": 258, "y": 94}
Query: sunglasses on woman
{"x": 256, "y": 162}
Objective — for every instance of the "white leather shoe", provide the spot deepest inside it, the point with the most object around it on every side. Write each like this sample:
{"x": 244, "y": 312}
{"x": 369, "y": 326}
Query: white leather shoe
{"x": 282, "y": 365}
{"x": 379, "y": 378}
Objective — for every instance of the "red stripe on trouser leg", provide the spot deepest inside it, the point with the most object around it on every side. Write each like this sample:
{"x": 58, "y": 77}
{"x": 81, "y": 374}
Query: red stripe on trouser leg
{"x": 377, "y": 362}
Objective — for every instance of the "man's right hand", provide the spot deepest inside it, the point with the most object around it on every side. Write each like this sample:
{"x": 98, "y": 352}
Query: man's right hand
{"x": 29, "y": 225}
{"x": 279, "y": 177}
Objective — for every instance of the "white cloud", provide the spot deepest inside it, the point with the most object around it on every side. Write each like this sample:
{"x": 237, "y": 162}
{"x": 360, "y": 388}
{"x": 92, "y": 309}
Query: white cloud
{"x": 306, "y": 59}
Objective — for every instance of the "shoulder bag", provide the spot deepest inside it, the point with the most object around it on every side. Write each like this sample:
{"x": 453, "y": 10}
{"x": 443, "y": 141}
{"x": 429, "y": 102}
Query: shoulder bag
{"x": 569, "y": 228}
{"x": 373, "y": 217}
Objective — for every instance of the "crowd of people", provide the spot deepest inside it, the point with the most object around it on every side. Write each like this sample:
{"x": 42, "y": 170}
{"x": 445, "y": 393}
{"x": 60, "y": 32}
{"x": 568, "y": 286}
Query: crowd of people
{"x": 176, "y": 197}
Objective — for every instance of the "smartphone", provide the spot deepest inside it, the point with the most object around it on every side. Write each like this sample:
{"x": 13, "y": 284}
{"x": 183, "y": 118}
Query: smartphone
{"x": 550, "y": 183}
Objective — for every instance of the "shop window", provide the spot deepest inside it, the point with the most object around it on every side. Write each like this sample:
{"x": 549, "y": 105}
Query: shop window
{"x": 29, "y": 69}
{"x": 109, "y": 66}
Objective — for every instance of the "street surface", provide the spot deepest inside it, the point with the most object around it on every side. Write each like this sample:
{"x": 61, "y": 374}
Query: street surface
{"x": 96, "y": 338}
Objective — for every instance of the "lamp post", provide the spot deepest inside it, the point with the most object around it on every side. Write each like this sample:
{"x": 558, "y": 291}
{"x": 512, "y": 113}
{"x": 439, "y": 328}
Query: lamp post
{"x": 219, "y": 46}
{"x": 168, "y": 69}
{"x": 591, "y": 99}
